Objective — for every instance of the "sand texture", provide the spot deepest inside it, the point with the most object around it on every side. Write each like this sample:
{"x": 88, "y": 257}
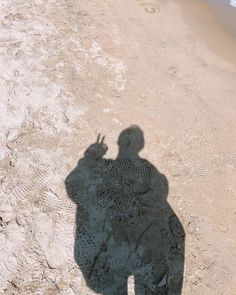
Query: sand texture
{"x": 70, "y": 70}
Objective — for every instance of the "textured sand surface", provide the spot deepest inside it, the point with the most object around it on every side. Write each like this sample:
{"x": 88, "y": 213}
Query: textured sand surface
{"x": 72, "y": 69}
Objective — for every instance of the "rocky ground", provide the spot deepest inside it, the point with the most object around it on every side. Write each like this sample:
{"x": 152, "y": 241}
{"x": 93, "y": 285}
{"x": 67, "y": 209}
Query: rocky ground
{"x": 72, "y": 69}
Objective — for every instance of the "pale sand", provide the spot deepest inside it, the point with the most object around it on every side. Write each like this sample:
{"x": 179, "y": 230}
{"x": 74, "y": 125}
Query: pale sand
{"x": 72, "y": 69}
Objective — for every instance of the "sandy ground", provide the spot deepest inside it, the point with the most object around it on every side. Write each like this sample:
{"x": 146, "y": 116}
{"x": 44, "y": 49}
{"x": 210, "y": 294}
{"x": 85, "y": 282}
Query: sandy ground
{"x": 214, "y": 24}
{"x": 71, "y": 69}
{"x": 226, "y": 11}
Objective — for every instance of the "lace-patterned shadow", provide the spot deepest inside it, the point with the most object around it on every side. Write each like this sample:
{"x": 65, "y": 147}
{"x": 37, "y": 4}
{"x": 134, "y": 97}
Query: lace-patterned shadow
{"x": 124, "y": 224}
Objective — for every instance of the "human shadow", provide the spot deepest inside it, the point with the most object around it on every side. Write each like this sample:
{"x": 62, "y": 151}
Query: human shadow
{"x": 124, "y": 224}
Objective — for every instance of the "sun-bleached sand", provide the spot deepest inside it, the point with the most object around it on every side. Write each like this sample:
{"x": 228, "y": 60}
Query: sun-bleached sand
{"x": 72, "y": 69}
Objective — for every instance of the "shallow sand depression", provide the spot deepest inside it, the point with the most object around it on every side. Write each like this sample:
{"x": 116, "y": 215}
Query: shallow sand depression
{"x": 70, "y": 70}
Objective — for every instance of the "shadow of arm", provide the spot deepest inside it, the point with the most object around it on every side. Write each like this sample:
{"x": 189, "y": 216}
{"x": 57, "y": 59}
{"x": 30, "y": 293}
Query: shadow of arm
{"x": 75, "y": 183}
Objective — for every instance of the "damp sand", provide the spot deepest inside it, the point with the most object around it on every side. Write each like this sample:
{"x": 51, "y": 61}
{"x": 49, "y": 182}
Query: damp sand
{"x": 226, "y": 11}
{"x": 215, "y": 22}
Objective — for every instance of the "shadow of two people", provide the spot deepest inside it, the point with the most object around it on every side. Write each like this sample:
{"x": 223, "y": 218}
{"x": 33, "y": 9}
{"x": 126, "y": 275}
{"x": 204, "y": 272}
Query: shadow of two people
{"x": 124, "y": 224}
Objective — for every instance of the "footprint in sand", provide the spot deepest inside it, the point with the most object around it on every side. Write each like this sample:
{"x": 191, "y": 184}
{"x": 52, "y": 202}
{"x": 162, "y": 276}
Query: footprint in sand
{"x": 148, "y": 6}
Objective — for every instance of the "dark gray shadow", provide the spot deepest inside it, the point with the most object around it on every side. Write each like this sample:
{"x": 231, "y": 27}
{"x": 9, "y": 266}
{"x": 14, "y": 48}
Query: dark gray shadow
{"x": 124, "y": 224}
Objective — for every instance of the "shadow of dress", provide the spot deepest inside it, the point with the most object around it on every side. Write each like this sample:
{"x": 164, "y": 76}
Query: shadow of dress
{"x": 125, "y": 226}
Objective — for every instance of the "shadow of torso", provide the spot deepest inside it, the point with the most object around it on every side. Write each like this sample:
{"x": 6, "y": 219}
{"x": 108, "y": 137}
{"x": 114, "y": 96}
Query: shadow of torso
{"x": 125, "y": 226}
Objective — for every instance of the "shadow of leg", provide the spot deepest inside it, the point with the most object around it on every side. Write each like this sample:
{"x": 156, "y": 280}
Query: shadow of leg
{"x": 119, "y": 286}
{"x": 140, "y": 286}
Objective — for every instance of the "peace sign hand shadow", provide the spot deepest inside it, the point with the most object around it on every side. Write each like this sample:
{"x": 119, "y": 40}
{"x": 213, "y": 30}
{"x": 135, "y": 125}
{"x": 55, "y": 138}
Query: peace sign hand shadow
{"x": 96, "y": 150}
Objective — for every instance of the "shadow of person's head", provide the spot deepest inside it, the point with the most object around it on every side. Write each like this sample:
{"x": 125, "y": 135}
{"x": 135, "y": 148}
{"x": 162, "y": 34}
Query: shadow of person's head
{"x": 131, "y": 141}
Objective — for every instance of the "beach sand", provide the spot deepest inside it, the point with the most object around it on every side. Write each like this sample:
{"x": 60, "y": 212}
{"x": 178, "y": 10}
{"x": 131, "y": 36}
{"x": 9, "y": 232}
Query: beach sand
{"x": 215, "y": 24}
{"x": 72, "y": 69}
{"x": 226, "y": 10}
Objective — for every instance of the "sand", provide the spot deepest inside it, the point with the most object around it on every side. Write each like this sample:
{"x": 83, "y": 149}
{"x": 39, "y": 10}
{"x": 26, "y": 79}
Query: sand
{"x": 226, "y": 12}
{"x": 214, "y": 24}
{"x": 72, "y": 69}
